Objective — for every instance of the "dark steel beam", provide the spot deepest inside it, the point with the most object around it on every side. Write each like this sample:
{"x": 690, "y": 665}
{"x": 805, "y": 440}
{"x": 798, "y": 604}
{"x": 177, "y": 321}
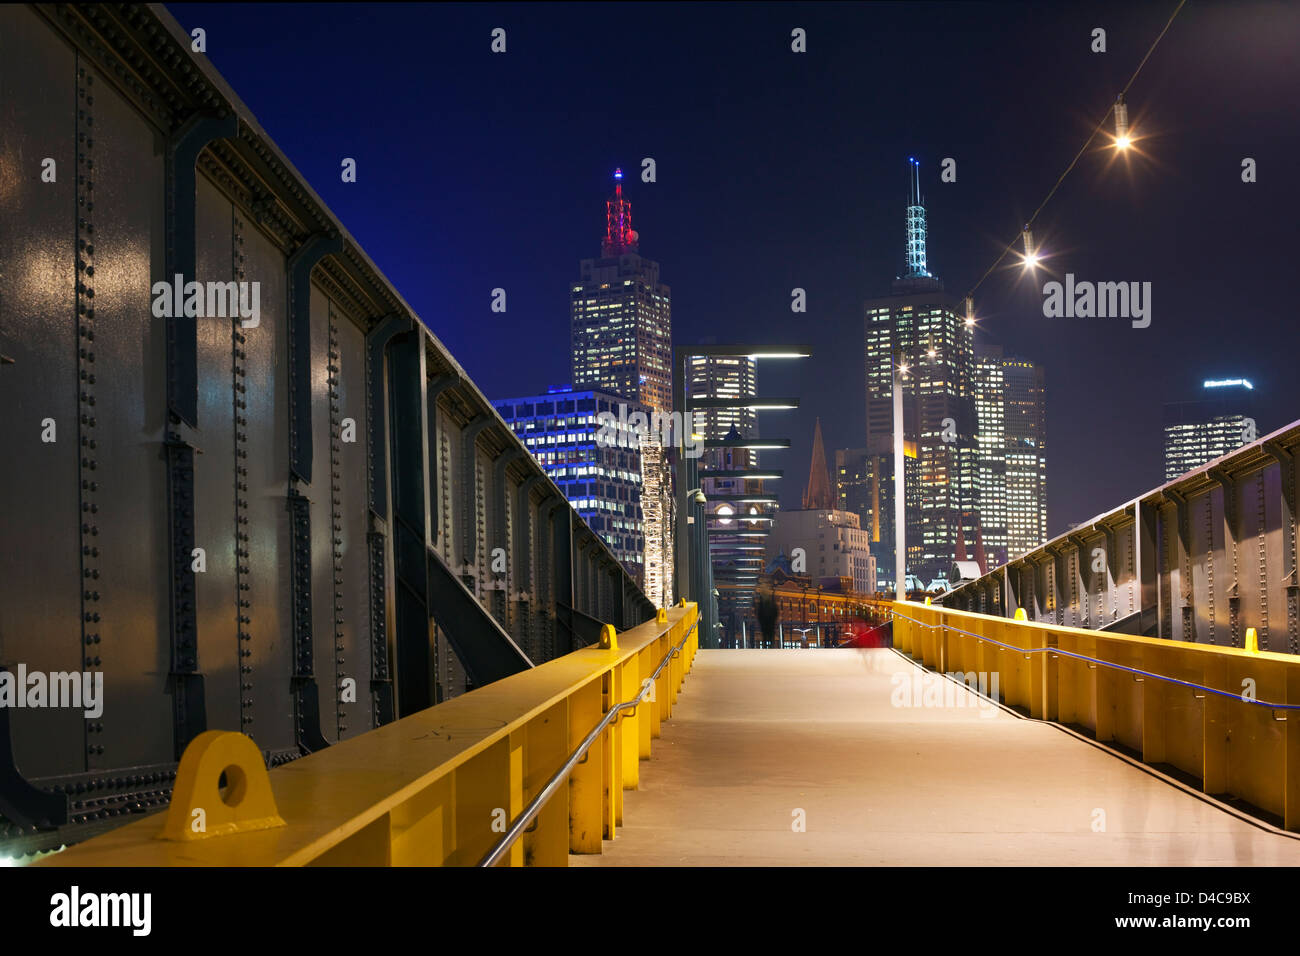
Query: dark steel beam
{"x": 306, "y": 694}
{"x": 583, "y": 629}
{"x": 407, "y": 436}
{"x": 562, "y": 594}
{"x": 299, "y": 268}
{"x": 437, "y": 385}
{"x": 376, "y": 401}
{"x": 470, "y": 490}
{"x": 189, "y": 706}
{"x": 20, "y": 801}
{"x": 381, "y": 672}
{"x": 484, "y": 648}
{"x": 183, "y": 149}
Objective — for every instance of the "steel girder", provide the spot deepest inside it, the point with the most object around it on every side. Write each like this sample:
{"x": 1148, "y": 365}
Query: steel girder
{"x": 1201, "y": 558}
{"x": 267, "y": 547}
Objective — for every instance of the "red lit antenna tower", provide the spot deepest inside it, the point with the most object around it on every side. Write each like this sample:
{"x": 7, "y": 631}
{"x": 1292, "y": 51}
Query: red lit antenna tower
{"x": 620, "y": 237}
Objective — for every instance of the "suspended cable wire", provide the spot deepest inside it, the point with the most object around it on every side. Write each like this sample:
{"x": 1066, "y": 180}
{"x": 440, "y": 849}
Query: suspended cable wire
{"x": 1082, "y": 149}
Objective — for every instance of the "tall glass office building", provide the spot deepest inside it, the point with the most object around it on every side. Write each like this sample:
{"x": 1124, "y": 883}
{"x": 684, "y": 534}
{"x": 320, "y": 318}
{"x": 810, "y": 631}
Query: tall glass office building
{"x": 1024, "y": 422}
{"x": 621, "y": 316}
{"x": 620, "y": 343}
{"x": 1198, "y": 431}
{"x": 601, "y": 476}
{"x": 926, "y": 330}
{"x": 990, "y": 413}
{"x": 739, "y": 520}
{"x": 1010, "y": 403}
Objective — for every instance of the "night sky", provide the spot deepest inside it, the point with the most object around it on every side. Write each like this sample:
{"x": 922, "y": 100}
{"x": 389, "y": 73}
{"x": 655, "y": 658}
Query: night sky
{"x": 777, "y": 170}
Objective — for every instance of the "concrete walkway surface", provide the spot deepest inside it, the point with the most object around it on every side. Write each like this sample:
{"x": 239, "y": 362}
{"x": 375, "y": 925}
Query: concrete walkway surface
{"x": 849, "y": 744}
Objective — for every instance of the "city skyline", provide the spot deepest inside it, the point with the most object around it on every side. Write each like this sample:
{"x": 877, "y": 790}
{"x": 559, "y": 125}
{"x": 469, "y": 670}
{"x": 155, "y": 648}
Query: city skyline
{"x": 979, "y": 500}
{"x": 785, "y": 194}
{"x": 290, "y": 584}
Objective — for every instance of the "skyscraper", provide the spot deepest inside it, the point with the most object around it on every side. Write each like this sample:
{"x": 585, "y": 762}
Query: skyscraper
{"x": 1203, "y": 429}
{"x": 1010, "y": 403}
{"x": 925, "y": 330}
{"x": 854, "y": 485}
{"x": 990, "y": 401}
{"x": 858, "y": 478}
{"x": 739, "y": 519}
{"x": 621, "y": 316}
{"x": 601, "y": 478}
{"x": 724, "y": 377}
{"x": 1024, "y": 417}
{"x": 620, "y": 341}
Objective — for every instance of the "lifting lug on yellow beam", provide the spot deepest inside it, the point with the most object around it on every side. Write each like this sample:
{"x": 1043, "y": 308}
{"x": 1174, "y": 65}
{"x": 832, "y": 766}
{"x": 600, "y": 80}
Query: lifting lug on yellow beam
{"x": 200, "y": 810}
{"x": 609, "y": 638}
{"x": 1252, "y": 641}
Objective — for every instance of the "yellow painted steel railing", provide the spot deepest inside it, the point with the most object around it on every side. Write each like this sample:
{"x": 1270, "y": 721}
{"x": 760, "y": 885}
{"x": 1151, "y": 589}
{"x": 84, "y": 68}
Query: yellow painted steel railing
{"x": 441, "y": 787}
{"x": 1228, "y": 716}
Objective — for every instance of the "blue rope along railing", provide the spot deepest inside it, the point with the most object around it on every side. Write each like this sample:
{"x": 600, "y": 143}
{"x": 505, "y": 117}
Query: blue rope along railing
{"x": 1110, "y": 664}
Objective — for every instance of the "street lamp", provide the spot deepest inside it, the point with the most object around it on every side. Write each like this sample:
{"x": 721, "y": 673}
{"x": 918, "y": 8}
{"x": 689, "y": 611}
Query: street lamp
{"x": 1122, "y": 138}
{"x": 1031, "y": 251}
{"x": 900, "y": 503}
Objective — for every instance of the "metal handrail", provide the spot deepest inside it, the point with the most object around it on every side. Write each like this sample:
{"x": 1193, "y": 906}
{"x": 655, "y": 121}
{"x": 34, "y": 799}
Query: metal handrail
{"x": 1097, "y": 660}
{"x": 553, "y": 785}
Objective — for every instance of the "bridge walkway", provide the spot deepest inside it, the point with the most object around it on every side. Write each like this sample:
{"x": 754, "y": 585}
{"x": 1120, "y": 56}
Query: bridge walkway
{"x": 758, "y": 736}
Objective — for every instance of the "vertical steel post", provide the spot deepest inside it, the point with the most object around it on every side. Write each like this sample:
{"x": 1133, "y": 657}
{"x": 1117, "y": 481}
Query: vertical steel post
{"x": 306, "y": 693}
{"x": 900, "y": 487}
{"x": 562, "y": 589}
{"x": 683, "y": 585}
{"x": 189, "y": 708}
{"x": 408, "y": 438}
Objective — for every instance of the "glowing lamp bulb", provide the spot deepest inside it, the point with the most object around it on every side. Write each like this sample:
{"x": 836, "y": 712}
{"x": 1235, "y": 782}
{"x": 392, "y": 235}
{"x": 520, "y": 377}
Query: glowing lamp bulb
{"x": 1121, "y": 123}
{"x": 1031, "y": 255}
{"x": 970, "y": 321}
{"x": 931, "y": 353}
{"x": 618, "y": 174}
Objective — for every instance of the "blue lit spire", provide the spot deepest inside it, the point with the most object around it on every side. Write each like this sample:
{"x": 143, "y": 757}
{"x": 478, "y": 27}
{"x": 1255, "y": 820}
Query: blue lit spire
{"x": 915, "y": 223}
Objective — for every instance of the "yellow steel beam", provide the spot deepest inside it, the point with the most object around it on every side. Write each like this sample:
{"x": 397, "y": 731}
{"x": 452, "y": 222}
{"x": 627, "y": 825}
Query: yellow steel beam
{"x": 1228, "y": 716}
{"x": 439, "y": 787}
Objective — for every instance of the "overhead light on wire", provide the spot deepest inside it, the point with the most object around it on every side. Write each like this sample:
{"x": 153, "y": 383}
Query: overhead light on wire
{"x": 1122, "y": 138}
{"x": 1031, "y": 253}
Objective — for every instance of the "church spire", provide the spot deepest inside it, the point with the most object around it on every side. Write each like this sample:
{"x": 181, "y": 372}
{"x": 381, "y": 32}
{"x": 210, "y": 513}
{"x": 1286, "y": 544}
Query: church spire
{"x": 817, "y": 496}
